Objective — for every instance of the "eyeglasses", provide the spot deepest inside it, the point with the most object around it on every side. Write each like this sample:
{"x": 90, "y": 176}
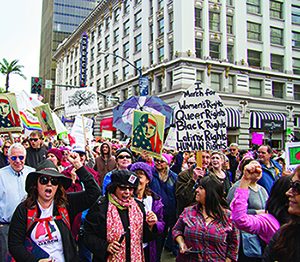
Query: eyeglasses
{"x": 295, "y": 187}
{"x": 6, "y": 147}
{"x": 44, "y": 180}
{"x": 33, "y": 139}
{"x": 124, "y": 156}
{"x": 191, "y": 163}
{"x": 14, "y": 158}
{"x": 232, "y": 149}
{"x": 124, "y": 188}
{"x": 158, "y": 161}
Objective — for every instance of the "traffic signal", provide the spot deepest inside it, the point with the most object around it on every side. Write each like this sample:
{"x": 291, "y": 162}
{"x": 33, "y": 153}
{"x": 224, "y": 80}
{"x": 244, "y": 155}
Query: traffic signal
{"x": 36, "y": 85}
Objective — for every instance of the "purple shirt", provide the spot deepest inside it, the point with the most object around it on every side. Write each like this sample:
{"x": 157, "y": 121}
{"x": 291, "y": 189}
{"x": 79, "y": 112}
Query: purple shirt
{"x": 264, "y": 225}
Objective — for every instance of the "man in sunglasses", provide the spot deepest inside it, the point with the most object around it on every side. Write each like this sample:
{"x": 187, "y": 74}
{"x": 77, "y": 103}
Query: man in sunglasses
{"x": 12, "y": 190}
{"x": 36, "y": 152}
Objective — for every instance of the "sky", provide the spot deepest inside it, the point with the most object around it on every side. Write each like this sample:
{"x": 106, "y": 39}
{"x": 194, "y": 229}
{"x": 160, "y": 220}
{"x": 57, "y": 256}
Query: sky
{"x": 20, "y": 22}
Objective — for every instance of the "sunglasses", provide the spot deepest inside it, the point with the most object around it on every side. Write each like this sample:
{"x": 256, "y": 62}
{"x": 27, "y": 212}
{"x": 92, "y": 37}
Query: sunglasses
{"x": 14, "y": 158}
{"x": 191, "y": 163}
{"x": 44, "y": 180}
{"x": 33, "y": 139}
{"x": 124, "y": 156}
{"x": 295, "y": 187}
{"x": 124, "y": 188}
{"x": 6, "y": 147}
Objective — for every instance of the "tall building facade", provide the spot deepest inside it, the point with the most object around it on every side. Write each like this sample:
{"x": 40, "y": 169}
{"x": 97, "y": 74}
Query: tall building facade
{"x": 59, "y": 19}
{"x": 248, "y": 51}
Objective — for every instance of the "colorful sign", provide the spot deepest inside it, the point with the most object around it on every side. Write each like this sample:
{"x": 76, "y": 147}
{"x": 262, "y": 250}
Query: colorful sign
{"x": 292, "y": 155}
{"x": 43, "y": 113}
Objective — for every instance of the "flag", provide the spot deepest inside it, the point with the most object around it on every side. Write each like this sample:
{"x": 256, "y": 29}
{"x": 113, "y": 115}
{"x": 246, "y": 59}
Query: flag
{"x": 294, "y": 155}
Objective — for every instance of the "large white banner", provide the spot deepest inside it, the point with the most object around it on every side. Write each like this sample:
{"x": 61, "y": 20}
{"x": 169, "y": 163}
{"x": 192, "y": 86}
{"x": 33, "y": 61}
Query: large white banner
{"x": 200, "y": 120}
{"x": 81, "y": 101}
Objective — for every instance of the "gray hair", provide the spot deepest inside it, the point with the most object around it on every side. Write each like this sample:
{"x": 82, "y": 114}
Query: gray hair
{"x": 234, "y": 145}
{"x": 16, "y": 146}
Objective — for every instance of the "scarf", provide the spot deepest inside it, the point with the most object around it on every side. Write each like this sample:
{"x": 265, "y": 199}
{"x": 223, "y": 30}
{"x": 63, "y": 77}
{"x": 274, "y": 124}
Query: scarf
{"x": 115, "y": 229}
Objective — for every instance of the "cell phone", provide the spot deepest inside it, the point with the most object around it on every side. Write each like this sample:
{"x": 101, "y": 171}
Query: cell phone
{"x": 122, "y": 237}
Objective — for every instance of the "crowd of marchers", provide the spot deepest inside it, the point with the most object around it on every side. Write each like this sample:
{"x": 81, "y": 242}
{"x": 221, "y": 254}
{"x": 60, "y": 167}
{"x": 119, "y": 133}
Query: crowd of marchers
{"x": 105, "y": 202}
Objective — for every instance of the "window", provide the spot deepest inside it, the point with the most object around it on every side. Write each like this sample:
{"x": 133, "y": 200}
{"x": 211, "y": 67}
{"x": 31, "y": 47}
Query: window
{"x": 229, "y": 2}
{"x": 151, "y": 7}
{"x": 100, "y": 27}
{"x": 115, "y": 77}
{"x": 115, "y": 56}
{"x": 125, "y": 72}
{"x": 161, "y": 26}
{"x": 297, "y": 92}
{"x": 138, "y": 43}
{"x": 275, "y": 9}
{"x": 296, "y": 39}
{"x": 229, "y": 23}
{"x": 255, "y": 87}
{"x": 161, "y": 54}
{"x": 159, "y": 84}
{"x": 126, "y": 50}
{"x": 124, "y": 94}
{"x": 92, "y": 54}
{"x": 277, "y": 89}
{"x": 138, "y": 19}
{"x": 296, "y": 66}
{"x": 254, "y": 58}
{"x": 231, "y": 83}
{"x": 253, "y": 31}
{"x": 138, "y": 64}
{"x": 253, "y": 6}
{"x": 117, "y": 15}
{"x": 106, "y": 42}
{"x": 198, "y": 48}
{"x": 98, "y": 83}
{"x": 151, "y": 32}
{"x": 126, "y": 6}
{"x": 106, "y": 62}
{"x": 230, "y": 53}
{"x": 107, "y": 22}
{"x": 136, "y": 2}
{"x": 277, "y": 62}
{"x": 93, "y": 37}
{"x": 198, "y": 17}
{"x": 171, "y": 49}
{"x": 276, "y": 36}
{"x": 214, "y": 50}
{"x": 126, "y": 28}
{"x": 116, "y": 35}
{"x": 296, "y": 14}
{"x": 170, "y": 80}
{"x": 171, "y": 20}
{"x": 160, "y": 4}
{"x": 199, "y": 76}
{"x": 99, "y": 47}
{"x": 106, "y": 81}
{"x": 92, "y": 71}
{"x": 151, "y": 58}
{"x": 75, "y": 67}
{"x": 214, "y": 21}
{"x": 98, "y": 67}
{"x": 215, "y": 81}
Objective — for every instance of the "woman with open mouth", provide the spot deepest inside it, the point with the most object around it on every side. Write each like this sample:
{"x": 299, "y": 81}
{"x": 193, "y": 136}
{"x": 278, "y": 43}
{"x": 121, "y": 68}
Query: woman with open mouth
{"x": 40, "y": 226}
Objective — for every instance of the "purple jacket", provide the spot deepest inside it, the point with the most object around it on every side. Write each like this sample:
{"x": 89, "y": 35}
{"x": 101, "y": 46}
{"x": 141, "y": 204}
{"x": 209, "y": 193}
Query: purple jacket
{"x": 264, "y": 225}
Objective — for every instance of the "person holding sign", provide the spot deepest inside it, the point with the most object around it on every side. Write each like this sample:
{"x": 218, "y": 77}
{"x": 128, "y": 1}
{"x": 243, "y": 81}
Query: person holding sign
{"x": 146, "y": 135}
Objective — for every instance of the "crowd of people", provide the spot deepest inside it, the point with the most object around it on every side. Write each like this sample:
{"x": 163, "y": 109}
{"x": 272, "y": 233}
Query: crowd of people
{"x": 105, "y": 202}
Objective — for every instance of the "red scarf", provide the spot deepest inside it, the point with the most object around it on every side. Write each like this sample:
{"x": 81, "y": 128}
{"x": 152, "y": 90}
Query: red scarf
{"x": 115, "y": 229}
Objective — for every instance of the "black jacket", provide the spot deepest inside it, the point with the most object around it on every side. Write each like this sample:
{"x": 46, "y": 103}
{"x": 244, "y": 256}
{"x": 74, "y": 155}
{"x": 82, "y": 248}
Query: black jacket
{"x": 77, "y": 202}
{"x": 95, "y": 230}
{"x": 35, "y": 155}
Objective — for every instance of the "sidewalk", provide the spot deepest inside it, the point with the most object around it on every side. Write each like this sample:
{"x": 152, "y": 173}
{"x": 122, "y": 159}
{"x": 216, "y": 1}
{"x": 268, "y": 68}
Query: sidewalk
{"x": 167, "y": 256}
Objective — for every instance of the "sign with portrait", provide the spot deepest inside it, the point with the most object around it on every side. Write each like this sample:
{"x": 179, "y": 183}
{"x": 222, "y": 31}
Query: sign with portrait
{"x": 148, "y": 132}
{"x": 200, "y": 120}
{"x": 43, "y": 113}
{"x": 9, "y": 114}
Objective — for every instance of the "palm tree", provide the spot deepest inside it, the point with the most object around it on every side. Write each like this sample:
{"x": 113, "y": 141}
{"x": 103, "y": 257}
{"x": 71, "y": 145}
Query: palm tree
{"x": 7, "y": 68}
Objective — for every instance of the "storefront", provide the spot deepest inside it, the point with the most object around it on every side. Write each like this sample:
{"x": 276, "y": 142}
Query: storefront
{"x": 233, "y": 123}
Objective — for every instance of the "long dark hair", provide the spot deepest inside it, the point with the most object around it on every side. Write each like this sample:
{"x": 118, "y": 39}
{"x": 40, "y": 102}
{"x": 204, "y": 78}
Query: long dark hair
{"x": 277, "y": 203}
{"x": 60, "y": 198}
{"x": 215, "y": 202}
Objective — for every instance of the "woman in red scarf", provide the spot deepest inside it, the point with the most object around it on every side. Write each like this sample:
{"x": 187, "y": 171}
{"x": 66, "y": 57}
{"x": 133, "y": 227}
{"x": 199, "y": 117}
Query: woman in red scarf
{"x": 117, "y": 224}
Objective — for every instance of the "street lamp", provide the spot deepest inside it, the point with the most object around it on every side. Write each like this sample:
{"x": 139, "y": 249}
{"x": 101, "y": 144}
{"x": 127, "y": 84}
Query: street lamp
{"x": 143, "y": 81}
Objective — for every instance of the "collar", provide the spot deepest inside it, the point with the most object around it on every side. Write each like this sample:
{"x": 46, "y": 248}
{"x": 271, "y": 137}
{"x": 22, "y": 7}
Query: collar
{"x": 15, "y": 172}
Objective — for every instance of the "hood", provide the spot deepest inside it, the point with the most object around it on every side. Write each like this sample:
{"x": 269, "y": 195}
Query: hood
{"x": 109, "y": 148}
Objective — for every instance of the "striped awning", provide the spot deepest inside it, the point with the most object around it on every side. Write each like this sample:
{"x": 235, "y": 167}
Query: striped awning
{"x": 233, "y": 117}
{"x": 267, "y": 120}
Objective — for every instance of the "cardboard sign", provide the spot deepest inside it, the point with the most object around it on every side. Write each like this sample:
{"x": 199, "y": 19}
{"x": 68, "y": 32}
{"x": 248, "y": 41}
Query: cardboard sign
{"x": 81, "y": 101}
{"x": 200, "y": 120}
{"x": 292, "y": 155}
{"x": 9, "y": 114}
{"x": 257, "y": 138}
{"x": 44, "y": 115}
{"x": 148, "y": 132}
{"x": 81, "y": 133}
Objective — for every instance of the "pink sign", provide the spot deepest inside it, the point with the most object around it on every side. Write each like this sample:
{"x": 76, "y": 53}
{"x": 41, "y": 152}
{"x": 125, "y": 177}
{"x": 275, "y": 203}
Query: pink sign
{"x": 257, "y": 138}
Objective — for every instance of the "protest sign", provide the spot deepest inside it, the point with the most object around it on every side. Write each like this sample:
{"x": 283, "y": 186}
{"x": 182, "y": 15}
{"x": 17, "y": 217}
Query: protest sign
{"x": 81, "y": 133}
{"x": 257, "y": 138}
{"x": 292, "y": 155}
{"x": 200, "y": 120}
{"x": 148, "y": 132}
{"x": 43, "y": 113}
{"x": 9, "y": 114}
{"x": 81, "y": 101}
{"x": 170, "y": 142}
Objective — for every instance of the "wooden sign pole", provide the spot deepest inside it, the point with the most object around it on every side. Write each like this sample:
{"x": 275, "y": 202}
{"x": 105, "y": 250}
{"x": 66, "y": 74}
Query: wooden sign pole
{"x": 199, "y": 159}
